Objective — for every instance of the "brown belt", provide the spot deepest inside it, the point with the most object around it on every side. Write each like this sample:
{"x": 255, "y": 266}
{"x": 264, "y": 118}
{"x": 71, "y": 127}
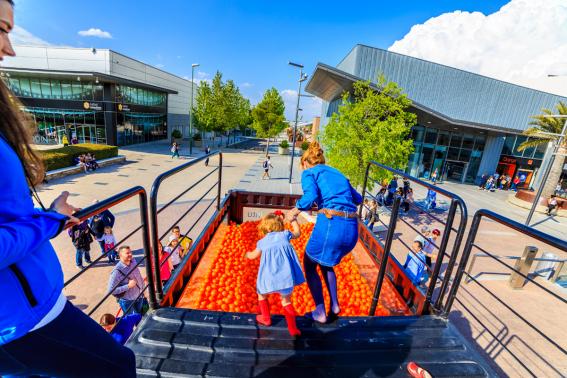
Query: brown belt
{"x": 335, "y": 213}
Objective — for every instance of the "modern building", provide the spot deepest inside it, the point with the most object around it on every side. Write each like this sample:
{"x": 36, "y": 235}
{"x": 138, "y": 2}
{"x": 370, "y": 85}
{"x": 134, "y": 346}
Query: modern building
{"x": 96, "y": 95}
{"x": 468, "y": 124}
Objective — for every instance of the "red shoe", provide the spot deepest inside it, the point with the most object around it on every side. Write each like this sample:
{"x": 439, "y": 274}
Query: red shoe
{"x": 417, "y": 372}
{"x": 290, "y": 320}
{"x": 264, "y": 316}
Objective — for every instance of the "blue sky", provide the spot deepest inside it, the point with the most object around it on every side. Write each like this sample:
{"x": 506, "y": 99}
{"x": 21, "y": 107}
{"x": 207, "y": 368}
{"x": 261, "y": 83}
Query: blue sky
{"x": 248, "y": 41}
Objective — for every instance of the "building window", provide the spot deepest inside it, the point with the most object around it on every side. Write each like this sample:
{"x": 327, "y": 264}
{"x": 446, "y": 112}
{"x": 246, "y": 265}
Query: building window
{"x": 35, "y": 88}
{"x": 456, "y": 139}
{"x": 508, "y": 148}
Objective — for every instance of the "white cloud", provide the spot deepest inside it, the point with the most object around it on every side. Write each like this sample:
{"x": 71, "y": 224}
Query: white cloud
{"x": 246, "y": 85}
{"x": 20, "y": 36}
{"x": 160, "y": 65}
{"x": 525, "y": 39}
{"x": 311, "y": 105}
{"x": 95, "y": 32}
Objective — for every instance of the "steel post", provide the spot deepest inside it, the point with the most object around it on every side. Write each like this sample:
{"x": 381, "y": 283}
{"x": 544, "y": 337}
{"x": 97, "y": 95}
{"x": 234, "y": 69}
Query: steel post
{"x": 386, "y": 254}
{"x": 558, "y": 144}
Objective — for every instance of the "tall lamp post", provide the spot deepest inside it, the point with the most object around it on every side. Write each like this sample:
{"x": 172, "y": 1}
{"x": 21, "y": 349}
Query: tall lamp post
{"x": 302, "y": 78}
{"x": 558, "y": 144}
{"x": 191, "y": 109}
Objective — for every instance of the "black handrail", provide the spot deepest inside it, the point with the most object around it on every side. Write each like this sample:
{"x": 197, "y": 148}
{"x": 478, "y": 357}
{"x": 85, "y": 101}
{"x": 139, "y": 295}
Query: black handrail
{"x": 105, "y": 204}
{"x": 517, "y": 226}
{"x": 155, "y": 239}
{"x": 385, "y": 255}
{"x": 456, "y": 202}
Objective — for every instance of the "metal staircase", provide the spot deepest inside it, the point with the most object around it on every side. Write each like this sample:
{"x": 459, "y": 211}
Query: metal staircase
{"x": 180, "y": 342}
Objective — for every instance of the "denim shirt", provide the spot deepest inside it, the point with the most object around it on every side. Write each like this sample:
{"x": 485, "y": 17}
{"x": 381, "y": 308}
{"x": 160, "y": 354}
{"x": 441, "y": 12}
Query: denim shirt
{"x": 328, "y": 188}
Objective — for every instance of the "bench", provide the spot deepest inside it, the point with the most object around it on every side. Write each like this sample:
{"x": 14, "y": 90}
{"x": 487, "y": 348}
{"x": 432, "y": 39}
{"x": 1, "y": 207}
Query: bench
{"x": 67, "y": 171}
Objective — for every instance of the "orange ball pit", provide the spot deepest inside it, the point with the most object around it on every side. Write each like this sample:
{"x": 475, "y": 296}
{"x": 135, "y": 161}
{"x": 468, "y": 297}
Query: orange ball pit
{"x": 229, "y": 281}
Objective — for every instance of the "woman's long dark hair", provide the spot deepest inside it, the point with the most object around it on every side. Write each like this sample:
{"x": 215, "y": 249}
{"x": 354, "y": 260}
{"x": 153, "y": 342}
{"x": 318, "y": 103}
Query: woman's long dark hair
{"x": 17, "y": 130}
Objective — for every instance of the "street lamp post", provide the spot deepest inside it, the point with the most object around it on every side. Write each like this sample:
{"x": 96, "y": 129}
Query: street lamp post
{"x": 302, "y": 78}
{"x": 191, "y": 109}
{"x": 542, "y": 182}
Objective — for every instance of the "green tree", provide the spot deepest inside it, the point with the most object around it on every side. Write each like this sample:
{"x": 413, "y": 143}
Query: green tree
{"x": 370, "y": 125}
{"x": 542, "y": 124}
{"x": 268, "y": 116}
{"x": 220, "y": 107}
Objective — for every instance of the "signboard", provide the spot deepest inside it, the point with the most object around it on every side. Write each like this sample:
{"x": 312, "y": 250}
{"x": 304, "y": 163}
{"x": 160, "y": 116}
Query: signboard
{"x": 256, "y": 213}
{"x": 508, "y": 160}
{"x": 87, "y": 105}
{"x": 123, "y": 108}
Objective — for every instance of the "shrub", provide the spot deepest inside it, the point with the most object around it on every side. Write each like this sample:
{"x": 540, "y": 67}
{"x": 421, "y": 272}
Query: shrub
{"x": 304, "y": 145}
{"x": 176, "y": 134}
{"x": 284, "y": 144}
{"x": 63, "y": 157}
{"x": 197, "y": 137}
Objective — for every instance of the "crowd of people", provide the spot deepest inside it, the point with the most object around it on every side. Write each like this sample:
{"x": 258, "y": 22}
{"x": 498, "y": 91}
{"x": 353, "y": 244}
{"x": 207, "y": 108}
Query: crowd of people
{"x": 87, "y": 162}
{"x": 497, "y": 181}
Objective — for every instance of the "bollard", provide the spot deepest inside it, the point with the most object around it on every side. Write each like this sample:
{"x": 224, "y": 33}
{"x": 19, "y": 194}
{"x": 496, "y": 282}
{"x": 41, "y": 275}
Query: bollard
{"x": 523, "y": 265}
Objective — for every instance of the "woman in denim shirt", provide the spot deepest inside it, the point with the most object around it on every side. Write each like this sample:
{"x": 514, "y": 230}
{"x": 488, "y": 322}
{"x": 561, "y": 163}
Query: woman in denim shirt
{"x": 336, "y": 231}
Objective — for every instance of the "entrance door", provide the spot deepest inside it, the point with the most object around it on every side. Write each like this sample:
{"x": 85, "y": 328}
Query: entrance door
{"x": 455, "y": 171}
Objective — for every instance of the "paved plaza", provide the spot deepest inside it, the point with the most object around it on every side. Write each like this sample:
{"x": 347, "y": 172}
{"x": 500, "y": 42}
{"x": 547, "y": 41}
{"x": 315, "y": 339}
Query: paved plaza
{"x": 485, "y": 321}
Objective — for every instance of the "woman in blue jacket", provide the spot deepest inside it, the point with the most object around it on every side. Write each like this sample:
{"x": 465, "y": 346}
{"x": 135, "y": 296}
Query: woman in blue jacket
{"x": 41, "y": 333}
{"x": 336, "y": 231}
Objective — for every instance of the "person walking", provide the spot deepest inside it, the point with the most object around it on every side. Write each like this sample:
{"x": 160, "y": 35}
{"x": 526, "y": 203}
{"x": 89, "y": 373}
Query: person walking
{"x": 41, "y": 332}
{"x": 81, "y": 237}
{"x": 336, "y": 230}
{"x": 174, "y": 150}
{"x": 373, "y": 214}
{"x": 126, "y": 283}
{"x": 267, "y": 165}
{"x": 207, "y": 152}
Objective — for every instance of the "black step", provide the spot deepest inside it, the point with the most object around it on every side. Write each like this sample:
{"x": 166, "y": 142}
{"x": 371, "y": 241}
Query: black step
{"x": 180, "y": 342}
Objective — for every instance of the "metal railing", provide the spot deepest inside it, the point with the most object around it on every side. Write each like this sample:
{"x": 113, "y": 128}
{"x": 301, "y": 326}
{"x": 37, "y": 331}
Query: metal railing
{"x": 456, "y": 203}
{"x": 99, "y": 207}
{"x": 553, "y": 278}
{"x": 155, "y": 238}
{"x": 461, "y": 272}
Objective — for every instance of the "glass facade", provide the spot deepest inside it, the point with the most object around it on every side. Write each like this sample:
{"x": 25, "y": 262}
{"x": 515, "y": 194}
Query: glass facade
{"x": 52, "y": 124}
{"x": 454, "y": 155}
{"x": 54, "y": 89}
{"x": 512, "y": 142}
{"x": 138, "y": 115}
{"x": 140, "y": 127}
{"x": 138, "y": 96}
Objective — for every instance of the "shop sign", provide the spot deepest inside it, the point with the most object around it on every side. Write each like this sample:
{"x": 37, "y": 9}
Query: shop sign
{"x": 123, "y": 108}
{"x": 509, "y": 160}
{"x": 87, "y": 105}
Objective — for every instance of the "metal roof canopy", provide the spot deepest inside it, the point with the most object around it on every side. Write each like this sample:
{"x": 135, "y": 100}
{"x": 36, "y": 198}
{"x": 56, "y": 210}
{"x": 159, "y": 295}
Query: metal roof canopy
{"x": 329, "y": 83}
{"x": 56, "y": 74}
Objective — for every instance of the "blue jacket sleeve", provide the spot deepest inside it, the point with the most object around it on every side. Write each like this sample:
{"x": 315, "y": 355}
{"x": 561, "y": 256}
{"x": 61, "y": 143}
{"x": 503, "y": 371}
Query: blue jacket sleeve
{"x": 310, "y": 191}
{"x": 19, "y": 237}
{"x": 356, "y": 197}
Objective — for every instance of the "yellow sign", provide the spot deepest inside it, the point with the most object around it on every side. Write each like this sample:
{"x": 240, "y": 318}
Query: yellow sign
{"x": 86, "y": 105}
{"x": 120, "y": 107}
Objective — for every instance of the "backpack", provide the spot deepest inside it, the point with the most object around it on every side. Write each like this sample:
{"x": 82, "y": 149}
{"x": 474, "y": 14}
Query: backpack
{"x": 265, "y": 164}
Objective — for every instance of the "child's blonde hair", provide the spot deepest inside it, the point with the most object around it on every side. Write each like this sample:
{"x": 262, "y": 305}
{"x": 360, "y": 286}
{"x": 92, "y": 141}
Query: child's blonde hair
{"x": 270, "y": 223}
{"x": 108, "y": 228}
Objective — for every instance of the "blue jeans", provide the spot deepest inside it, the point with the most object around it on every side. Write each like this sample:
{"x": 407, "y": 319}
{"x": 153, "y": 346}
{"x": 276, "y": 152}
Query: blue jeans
{"x": 71, "y": 345}
{"x": 79, "y": 256}
{"x": 137, "y": 308}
